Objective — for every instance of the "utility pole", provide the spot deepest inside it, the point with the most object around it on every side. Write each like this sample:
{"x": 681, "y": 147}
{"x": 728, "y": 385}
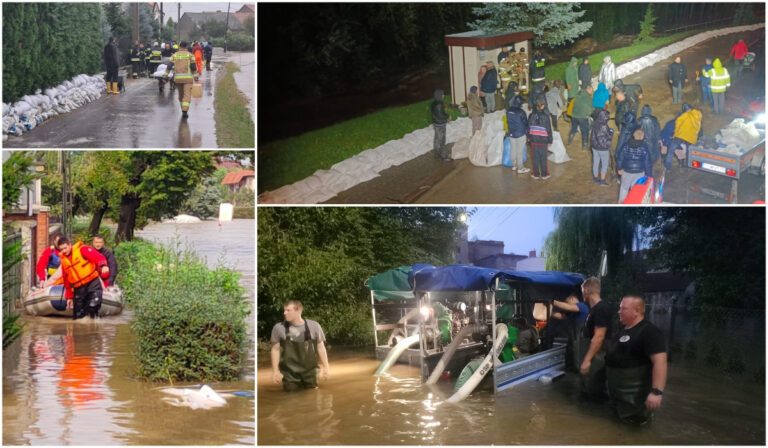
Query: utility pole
{"x": 162, "y": 22}
{"x": 135, "y": 17}
{"x": 66, "y": 193}
{"x": 226, "y": 30}
{"x": 178, "y": 19}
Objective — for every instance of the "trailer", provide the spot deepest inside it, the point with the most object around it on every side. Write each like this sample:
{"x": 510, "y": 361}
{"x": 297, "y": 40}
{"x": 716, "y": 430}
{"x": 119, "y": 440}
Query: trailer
{"x": 461, "y": 322}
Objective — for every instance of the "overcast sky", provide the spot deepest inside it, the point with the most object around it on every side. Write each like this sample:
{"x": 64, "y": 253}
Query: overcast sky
{"x": 521, "y": 228}
{"x": 170, "y": 8}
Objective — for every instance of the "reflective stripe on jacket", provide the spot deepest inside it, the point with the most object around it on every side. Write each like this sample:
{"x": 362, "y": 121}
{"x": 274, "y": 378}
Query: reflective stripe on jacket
{"x": 77, "y": 269}
{"x": 182, "y": 62}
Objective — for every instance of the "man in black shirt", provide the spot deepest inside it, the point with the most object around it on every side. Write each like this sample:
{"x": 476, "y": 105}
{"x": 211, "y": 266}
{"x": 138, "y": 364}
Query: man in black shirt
{"x": 597, "y": 329}
{"x": 636, "y": 364}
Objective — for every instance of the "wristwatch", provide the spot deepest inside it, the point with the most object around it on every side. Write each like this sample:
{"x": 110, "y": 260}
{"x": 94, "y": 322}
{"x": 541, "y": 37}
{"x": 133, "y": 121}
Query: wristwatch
{"x": 655, "y": 391}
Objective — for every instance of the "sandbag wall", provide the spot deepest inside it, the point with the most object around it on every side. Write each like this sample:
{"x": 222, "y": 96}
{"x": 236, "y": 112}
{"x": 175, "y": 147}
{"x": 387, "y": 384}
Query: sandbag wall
{"x": 32, "y": 110}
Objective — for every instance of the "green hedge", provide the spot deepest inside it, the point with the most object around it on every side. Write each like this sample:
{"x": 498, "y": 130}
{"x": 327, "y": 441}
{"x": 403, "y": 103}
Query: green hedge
{"x": 235, "y": 42}
{"x": 244, "y": 213}
{"x": 47, "y": 43}
{"x": 190, "y": 320}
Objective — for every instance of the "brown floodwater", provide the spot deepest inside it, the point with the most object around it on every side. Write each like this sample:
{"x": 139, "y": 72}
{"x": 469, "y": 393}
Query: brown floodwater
{"x": 700, "y": 406}
{"x": 74, "y": 382}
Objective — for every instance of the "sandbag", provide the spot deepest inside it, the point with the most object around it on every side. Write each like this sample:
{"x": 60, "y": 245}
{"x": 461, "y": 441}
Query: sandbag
{"x": 496, "y": 148}
{"x": 478, "y": 154}
{"x": 460, "y": 149}
{"x": 557, "y": 150}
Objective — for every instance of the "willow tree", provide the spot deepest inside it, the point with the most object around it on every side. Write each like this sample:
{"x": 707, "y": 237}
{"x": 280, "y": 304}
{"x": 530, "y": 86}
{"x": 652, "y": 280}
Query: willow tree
{"x": 584, "y": 232}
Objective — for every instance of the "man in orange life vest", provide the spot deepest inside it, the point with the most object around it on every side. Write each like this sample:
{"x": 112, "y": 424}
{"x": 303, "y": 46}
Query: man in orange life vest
{"x": 81, "y": 266}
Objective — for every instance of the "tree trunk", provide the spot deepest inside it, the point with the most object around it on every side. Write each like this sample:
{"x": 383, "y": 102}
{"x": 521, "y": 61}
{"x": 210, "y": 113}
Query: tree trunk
{"x": 98, "y": 214}
{"x": 129, "y": 203}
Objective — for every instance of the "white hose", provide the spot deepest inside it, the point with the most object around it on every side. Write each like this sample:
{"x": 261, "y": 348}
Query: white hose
{"x": 485, "y": 366}
{"x": 395, "y": 353}
{"x": 446, "y": 358}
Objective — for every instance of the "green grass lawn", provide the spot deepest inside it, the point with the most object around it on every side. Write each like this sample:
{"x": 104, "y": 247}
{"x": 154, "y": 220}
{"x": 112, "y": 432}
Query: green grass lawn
{"x": 234, "y": 126}
{"x": 286, "y": 161}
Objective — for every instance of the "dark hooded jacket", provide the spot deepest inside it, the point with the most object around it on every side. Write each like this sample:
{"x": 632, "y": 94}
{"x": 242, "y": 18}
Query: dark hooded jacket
{"x": 652, "y": 129}
{"x": 630, "y": 125}
{"x": 572, "y": 78}
{"x": 634, "y": 157}
{"x": 602, "y": 134}
{"x": 439, "y": 116}
{"x": 630, "y": 90}
{"x": 625, "y": 107}
{"x": 509, "y": 95}
{"x": 538, "y": 93}
{"x": 489, "y": 82}
{"x": 111, "y": 58}
{"x": 517, "y": 120}
{"x": 585, "y": 74}
{"x": 540, "y": 127}
{"x": 537, "y": 66}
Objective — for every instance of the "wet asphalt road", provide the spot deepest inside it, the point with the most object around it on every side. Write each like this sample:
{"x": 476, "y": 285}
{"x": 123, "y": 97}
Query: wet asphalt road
{"x": 140, "y": 117}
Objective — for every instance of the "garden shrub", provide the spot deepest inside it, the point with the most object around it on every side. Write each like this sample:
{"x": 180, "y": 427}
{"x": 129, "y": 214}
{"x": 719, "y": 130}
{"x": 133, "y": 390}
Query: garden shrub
{"x": 189, "y": 319}
{"x": 244, "y": 213}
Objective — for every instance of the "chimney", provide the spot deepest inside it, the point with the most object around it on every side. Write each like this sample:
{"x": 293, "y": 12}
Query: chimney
{"x": 532, "y": 254}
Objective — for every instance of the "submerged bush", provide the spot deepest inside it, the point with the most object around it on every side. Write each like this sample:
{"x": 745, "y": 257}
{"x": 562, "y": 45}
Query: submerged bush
{"x": 189, "y": 319}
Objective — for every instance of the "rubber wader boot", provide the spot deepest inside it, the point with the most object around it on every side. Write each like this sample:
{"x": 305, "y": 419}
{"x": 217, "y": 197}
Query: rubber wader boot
{"x": 298, "y": 361}
{"x": 109, "y": 87}
{"x": 629, "y": 389}
{"x": 115, "y": 88}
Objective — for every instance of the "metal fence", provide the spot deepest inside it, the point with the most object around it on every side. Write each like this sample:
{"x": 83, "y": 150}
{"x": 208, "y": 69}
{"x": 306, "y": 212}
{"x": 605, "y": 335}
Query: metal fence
{"x": 12, "y": 278}
{"x": 699, "y": 26}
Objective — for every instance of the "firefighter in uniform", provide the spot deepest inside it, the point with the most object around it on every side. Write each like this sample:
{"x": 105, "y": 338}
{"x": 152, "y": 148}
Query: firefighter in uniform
{"x": 184, "y": 74}
{"x": 135, "y": 60}
{"x": 507, "y": 69}
{"x": 81, "y": 267}
{"x": 147, "y": 58}
{"x": 522, "y": 69}
{"x": 156, "y": 57}
{"x": 537, "y": 70}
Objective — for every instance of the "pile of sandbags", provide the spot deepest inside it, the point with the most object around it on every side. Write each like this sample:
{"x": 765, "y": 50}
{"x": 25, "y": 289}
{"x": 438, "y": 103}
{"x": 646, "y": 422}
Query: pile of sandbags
{"x": 325, "y": 184}
{"x": 32, "y": 110}
{"x": 738, "y": 137}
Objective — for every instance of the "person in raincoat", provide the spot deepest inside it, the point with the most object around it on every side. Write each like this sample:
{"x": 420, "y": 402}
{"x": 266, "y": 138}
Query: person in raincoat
{"x": 185, "y": 72}
{"x": 197, "y": 50}
{"x": 572, "y": 80}
{"x": 607, "y": 74}
{"x": 517, "y": 122}
{"x": 475, "y": 107}
{"x": 585, "y": 74}
{"x": 652, "y": 129}
{"x": 297, "y": 345}
{"x": 602, "y": 137}
{"x": 81, "y": 267}
{"x": 602, "y": 97}
{"x": 719, "y": 82}
{"x": 440, "y": 120}
{"x": 636, "y": 364}
{"x": 112, "y": 63}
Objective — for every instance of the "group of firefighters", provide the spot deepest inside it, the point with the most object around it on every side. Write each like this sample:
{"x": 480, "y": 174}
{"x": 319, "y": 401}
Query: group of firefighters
{"x": 185, "y": 63}
{"x": 83, "y": 270}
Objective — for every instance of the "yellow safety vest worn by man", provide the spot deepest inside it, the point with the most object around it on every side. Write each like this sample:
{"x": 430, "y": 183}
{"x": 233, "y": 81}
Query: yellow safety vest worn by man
{"x": 185, "y": 72}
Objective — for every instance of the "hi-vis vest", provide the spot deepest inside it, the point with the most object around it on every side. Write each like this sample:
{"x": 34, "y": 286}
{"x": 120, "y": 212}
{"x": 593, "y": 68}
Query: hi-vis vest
{"x": 182, "y": 67}
{"x": 77, "y": 269}
{"x": 718, "y": 82}
{"x": 157, "y": 55}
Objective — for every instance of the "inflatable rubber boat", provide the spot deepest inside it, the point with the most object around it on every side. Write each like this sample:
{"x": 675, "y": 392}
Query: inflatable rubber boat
{"x": 50, "y": 301}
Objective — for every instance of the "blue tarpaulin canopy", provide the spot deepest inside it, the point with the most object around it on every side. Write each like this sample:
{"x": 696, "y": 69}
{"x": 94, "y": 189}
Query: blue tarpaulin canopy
{"x": 425, "y": 277}
{"x": 398, "y": 283}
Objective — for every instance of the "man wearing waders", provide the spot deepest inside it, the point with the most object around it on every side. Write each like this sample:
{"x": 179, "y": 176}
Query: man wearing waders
{"x": 296, "y": 346}
{"x": 636, "y": 364}
{"x": 597, "y": 329}
{"x": 81, "y": 267}
{"x": 185, "y": 72}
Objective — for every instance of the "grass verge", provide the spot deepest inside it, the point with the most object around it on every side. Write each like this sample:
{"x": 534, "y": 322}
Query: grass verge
{"x": 190, "y": 320}
{"x": 286, "y": 161}
{"x": 234, "y": 126}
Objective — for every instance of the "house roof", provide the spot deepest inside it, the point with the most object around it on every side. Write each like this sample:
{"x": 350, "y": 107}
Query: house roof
{"x": 482, "y": 39}
{"x": 235, "y": 177}
{"x": 251, "y": 9}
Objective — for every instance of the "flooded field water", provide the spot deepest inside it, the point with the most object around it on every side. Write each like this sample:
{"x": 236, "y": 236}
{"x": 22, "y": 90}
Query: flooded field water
{"x": 72, "y": 382}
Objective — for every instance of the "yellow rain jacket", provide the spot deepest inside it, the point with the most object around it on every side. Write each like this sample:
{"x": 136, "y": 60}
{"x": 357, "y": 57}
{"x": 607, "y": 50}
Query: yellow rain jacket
{"x": 688, "y": 125}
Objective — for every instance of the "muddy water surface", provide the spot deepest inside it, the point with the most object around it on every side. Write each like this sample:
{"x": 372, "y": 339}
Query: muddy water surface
{"x": 73, "y": 382}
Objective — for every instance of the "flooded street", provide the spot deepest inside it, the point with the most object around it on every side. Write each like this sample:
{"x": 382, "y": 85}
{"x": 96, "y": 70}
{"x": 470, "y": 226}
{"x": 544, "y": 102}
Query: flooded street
{"x": 702, "y": 405}
{"x": 73, "y": 382}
